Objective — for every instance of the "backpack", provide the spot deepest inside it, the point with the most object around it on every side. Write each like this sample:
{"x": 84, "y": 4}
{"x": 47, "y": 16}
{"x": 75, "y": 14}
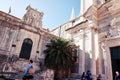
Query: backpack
{"x": 31, "y": 70}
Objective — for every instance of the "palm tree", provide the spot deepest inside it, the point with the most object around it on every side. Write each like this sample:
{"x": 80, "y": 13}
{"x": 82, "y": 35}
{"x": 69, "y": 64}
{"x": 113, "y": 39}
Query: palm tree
{"x": 60, "y": 55}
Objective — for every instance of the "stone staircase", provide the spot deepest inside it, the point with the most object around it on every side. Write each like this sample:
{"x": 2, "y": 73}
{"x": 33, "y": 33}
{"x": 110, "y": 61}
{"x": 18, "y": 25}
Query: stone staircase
{"x": 12, "y": 67}
{"x": 17, "y": 75}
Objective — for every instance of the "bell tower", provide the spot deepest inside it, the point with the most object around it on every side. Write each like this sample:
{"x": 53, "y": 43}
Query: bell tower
{"x": 72, "y": 14}
{"x": 33, "y": 17}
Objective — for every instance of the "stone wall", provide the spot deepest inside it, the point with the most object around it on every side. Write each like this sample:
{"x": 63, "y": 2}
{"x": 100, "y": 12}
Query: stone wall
{"x": 13, "y": 31}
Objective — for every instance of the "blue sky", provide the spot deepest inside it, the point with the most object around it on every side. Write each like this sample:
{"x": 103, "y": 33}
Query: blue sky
{"x": 56, "y": 12}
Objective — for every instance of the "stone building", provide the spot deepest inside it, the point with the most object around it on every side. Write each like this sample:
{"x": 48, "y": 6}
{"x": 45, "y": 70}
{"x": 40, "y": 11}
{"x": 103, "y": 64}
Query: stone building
{"x": 97, "y": 33}
{"x": 22, "y": 39}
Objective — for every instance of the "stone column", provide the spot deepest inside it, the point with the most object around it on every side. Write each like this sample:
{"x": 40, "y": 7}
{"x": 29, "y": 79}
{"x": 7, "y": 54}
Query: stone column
{"x": 103, "y": 47}
{"x": 93, "y": 61}
{"x": 40, "y": 45}
{"x": 109, "y": 67}
{"x": 83, "y": 52}
{"x": 93, "y": 67}
{"x": 100, "y": 60}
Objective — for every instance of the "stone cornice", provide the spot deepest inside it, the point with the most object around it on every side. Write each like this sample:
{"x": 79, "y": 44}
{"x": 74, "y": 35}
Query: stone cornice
{"x": 108, "y": 10}
{"x": 105, "y": 4}
{"x": 14, "y": 22}
{"x": 76, "y": 26}
{"x": 4, "y": 16}
{"x": 35, "y": 30}
{"x": 109, "y": 39}
{"x": 9, "y": 20}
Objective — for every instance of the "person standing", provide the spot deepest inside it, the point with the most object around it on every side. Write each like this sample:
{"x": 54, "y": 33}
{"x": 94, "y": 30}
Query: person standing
{"x": 117, "y": 76}
{"x": 99, "y": 77}
{"x": 29, "y": 71}
{"x": 83, "y": 77}
{"x": 88, "y": 75}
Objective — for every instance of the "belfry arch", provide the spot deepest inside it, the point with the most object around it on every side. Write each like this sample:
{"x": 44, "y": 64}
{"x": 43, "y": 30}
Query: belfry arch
{"x": 26, "y": 48}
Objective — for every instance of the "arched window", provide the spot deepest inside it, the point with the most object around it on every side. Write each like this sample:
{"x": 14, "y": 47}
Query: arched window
{"x": 26, "y": 48}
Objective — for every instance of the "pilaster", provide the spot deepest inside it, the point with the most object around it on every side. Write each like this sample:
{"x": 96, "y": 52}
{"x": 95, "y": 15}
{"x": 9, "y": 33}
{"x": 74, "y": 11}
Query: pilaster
{"x": 109, "y": 68}
{"x": 83, "y": 52}
{"x": 93, "y": 68}
{"x": 40, "y": 46}
{"x": 93, "y": 57}
{"x": 100, "y": 60}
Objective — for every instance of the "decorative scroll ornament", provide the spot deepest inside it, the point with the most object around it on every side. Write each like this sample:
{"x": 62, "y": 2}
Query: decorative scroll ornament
{"x": 114, "y": 29}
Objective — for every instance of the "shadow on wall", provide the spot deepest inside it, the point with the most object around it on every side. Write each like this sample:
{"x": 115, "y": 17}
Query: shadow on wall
{"x": 88, "y": 61}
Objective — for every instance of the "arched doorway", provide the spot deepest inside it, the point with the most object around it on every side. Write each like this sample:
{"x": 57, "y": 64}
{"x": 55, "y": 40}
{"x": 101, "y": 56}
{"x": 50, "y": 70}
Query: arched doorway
{"x": 26, "y": 48}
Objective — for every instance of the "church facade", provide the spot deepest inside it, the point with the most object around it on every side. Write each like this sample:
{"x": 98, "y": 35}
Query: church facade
{"x": 97, "y": 33}
{"x": 22, "y": 38}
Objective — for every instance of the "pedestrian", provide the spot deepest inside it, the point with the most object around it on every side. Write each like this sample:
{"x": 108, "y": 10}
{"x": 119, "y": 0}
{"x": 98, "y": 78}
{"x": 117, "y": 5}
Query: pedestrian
{"x": 88, "y": 75}
{"x": 117, "y": 76}
{"x": 29, "y": 71}
{"x": 99, "y": 77}
{"x": 83, "y": 77}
